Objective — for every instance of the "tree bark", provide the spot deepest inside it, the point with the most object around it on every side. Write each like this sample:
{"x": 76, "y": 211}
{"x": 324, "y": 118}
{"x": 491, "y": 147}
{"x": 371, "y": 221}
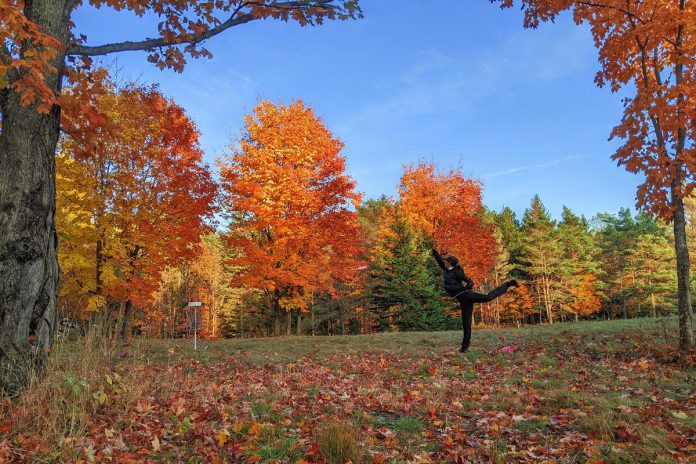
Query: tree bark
{"x": 686, "y": 334}
{"x": 686, "y": 331}
{"x": 299, "y": 322}
{"x": 342, "y": 319}
{"x": 28, "y": 241}
{"x": 128, "y": 310}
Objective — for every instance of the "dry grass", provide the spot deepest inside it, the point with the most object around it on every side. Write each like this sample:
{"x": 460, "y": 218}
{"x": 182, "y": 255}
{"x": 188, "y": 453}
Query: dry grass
{"x": 337, "y": 443}
{"x": 80, "y": 377}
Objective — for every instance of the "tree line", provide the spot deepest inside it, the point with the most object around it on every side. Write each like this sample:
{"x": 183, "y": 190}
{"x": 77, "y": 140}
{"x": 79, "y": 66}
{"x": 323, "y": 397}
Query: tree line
{"x": 277, "y": 240}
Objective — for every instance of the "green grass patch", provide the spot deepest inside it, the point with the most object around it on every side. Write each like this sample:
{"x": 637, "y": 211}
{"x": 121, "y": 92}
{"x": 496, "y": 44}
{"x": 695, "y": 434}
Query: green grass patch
{"x": 532, "y": 426}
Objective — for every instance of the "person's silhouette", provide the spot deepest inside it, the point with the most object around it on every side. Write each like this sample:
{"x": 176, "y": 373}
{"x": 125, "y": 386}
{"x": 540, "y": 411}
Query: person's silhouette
{"x": 459, "y": 286}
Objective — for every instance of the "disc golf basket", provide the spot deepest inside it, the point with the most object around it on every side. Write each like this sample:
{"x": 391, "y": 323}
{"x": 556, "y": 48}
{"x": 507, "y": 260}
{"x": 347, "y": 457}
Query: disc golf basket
{"x": 193, "y": 320}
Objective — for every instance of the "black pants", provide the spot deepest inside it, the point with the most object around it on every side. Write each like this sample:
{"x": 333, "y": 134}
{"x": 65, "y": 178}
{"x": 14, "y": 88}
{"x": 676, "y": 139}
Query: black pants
{"x": 466, "y": 301}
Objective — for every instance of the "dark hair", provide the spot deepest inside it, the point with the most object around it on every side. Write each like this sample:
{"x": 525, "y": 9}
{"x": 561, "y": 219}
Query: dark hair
{"x": 452, "y": 260}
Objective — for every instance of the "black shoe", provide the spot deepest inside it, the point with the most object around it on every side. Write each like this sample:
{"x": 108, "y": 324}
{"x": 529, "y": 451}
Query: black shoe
{"x": 513, "y": 283}
{"x": 463, "y": 350}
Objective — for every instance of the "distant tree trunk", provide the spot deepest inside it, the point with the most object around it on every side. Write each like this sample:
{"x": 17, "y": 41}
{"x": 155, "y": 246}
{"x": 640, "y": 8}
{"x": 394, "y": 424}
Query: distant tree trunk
{"x": 653, "y": 305}
{"x": 126, "y": 320}
{"x": 342, "y": 319}
{"x": 99, "y": 257}
{"x": 299, "y": 322}
{"x": 276, "y": 314}
{"x": 311, "y": 309}
{"x": 289, "y": 328}
{"x": 241, "y": 321}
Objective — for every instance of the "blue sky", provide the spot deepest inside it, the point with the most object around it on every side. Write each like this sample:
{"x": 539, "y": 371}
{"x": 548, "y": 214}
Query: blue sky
{"x": 460, "y": 84}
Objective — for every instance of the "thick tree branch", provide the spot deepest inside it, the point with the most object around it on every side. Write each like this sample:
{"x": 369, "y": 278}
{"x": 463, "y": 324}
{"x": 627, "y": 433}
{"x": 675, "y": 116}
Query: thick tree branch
{"x": 148, "y": 44}
{"x": 235, "y": 20}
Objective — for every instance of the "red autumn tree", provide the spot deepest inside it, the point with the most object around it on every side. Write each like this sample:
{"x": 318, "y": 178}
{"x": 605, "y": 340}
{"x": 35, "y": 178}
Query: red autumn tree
{"x": 649, "y": 48}
{"x": 447, "y": 207}
{"x": 40, "y": 47}
{"x": 292, "y": 206}
{"x": 145, "y": 190}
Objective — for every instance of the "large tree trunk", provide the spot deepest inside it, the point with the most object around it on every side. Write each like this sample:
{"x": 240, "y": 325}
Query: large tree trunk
{"x": 686, "y": 334}
{"x": 28, "y": 242}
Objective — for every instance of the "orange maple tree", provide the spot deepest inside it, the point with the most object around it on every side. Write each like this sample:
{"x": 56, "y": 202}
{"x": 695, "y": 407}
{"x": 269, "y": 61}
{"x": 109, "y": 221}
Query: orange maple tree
{"x": 585, "y": 298}
{"x": 447, "y": 206}
{"x": 292, "y": 205}
{"x": 649, "y": 48}
{"x": 519, "y": 306}
{"x": 146, "y": 191}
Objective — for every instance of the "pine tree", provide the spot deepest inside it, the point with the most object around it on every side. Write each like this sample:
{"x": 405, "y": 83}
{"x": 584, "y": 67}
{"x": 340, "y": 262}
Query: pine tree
{"x": 511, "y": 235}
{"x": 542, "y": 256}
{"x": 405, "y": 293}
{"x": 578, "y": 266}
{"x": 635, "y": 263}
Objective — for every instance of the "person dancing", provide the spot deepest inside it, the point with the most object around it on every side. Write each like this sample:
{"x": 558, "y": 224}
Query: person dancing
{"x": 460, "y": 287}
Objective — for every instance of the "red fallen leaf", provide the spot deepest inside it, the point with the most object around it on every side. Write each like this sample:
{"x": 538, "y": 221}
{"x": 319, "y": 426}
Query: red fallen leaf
{"x": 432, "y": 411}
{"x": 32, "y": 338}
{"x": 313, "y": 449}
{"x": 378, "y": 459}
{"x": 432, "y": 370}
{"x": 6, "y": 427}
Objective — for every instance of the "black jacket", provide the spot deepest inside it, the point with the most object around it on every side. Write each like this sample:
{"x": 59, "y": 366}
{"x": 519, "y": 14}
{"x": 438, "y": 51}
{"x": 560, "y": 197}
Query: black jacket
{"x": 455, "y": 279}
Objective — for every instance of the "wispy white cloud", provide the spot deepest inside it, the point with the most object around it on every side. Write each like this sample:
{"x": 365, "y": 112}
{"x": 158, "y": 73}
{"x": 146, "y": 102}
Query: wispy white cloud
{"x": 436, "y": 83}
{"x": 531, "y": 167}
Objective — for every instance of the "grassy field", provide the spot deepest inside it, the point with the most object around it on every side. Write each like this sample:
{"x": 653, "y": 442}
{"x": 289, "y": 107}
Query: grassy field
{"x": 590, "y": 392}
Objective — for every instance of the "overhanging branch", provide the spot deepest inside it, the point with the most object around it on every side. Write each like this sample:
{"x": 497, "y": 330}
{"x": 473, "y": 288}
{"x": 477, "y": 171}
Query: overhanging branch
{"x": 235, "y": 19}
{"x": 149, "y": 44}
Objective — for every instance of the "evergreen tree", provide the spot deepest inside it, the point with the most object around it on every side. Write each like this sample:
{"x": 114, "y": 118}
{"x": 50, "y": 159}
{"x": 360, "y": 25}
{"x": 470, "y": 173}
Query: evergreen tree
{"x": 635, "y": 263}
{"x": 511, "y": 235}
{"x": 405, "y": 293}
{"x": 578, "y": 266}
{"x": 541, "y": 257}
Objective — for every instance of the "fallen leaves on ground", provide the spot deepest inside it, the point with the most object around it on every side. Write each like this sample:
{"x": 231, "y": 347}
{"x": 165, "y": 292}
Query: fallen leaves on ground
{"x": 559, "y": 402}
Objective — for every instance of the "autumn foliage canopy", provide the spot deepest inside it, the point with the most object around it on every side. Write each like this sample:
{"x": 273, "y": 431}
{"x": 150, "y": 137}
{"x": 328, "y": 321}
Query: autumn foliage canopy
{"x": 447, "y": 207}
{"x": 292, "y": 205}
{"x": 134, "y": 203}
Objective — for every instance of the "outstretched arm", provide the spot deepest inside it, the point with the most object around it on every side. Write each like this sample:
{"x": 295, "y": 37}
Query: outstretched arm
{"x": 439, "y": 259}
{"x": 468, "y": 283}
